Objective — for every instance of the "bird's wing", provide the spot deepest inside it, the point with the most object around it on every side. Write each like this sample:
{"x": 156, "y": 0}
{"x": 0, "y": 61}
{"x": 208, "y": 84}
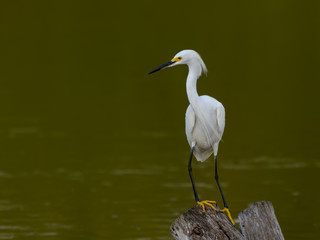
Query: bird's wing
{"x": 220, "y": 120}
{"x": 190, "y": 122}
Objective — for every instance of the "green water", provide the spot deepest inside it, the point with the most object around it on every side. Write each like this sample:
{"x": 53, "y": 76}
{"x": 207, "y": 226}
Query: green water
{"x": 93, "y": 148}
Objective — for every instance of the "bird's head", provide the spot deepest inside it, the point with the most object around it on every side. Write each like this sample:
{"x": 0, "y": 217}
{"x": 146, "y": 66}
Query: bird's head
{"x": 187, "y": 57}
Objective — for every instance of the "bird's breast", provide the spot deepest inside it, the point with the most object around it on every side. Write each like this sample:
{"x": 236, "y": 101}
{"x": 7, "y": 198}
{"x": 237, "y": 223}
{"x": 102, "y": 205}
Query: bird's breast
{"x": 203, "y": 138}
{"x": 201, "y": 127}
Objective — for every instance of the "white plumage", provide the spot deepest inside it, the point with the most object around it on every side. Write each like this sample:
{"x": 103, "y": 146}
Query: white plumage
{"x": 204, "y": 129}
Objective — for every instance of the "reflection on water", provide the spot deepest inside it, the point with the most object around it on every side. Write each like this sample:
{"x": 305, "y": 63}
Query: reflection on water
{"x": 55, "y": 185}
{"x": 265, "y": 162}
{"x": 99, "y": 194}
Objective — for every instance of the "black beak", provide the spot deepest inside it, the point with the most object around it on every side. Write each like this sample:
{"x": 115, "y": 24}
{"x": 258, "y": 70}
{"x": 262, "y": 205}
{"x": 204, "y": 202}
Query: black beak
{"x": 162, "y": 66}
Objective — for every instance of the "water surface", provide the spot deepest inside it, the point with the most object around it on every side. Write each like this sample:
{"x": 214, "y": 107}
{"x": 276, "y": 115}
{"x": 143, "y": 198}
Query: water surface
{"x": 93, "y": 148}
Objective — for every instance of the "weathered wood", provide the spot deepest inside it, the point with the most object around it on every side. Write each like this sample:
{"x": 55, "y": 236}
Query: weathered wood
{"x": 258, "y": 221}
{"x": 195, "y": 224}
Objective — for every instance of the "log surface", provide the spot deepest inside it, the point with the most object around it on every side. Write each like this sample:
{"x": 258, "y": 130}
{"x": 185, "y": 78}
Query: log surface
{"x": 258, "y": 221}
{"x": 195, "y": 224}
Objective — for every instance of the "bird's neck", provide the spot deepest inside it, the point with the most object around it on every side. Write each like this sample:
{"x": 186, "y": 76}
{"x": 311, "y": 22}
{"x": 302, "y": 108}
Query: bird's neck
{"x": 194, "y": 74}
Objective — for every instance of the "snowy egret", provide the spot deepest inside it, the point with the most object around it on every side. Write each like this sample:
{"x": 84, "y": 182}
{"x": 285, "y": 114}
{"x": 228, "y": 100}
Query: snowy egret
{"x": 205, "y": 120}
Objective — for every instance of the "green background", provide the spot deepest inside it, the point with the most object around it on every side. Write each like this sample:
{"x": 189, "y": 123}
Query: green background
{"x": 91, "y": 147}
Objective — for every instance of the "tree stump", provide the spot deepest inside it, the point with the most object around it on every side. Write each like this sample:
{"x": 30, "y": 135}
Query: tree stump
{"x": 258, "y": 221}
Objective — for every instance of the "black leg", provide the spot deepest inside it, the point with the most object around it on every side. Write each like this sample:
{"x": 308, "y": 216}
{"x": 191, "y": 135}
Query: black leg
{"x": 191, "y": 177}
{"x": 217, "y": 180}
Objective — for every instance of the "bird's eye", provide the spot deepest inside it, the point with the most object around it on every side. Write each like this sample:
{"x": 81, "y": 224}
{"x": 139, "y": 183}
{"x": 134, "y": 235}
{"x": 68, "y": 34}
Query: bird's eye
{"x": 179, "y": 58}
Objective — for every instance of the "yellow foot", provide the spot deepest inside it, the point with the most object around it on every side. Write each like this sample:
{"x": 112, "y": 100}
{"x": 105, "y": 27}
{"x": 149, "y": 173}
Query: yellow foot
{"x": 208, "y": 203}
{"x": 228, "y": 214}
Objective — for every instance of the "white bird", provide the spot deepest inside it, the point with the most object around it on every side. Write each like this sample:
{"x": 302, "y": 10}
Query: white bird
{"x": 205, "y": 119}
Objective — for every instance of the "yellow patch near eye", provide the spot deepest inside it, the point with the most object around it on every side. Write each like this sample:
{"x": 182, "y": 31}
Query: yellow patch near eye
{"x": 177, "y": 59}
